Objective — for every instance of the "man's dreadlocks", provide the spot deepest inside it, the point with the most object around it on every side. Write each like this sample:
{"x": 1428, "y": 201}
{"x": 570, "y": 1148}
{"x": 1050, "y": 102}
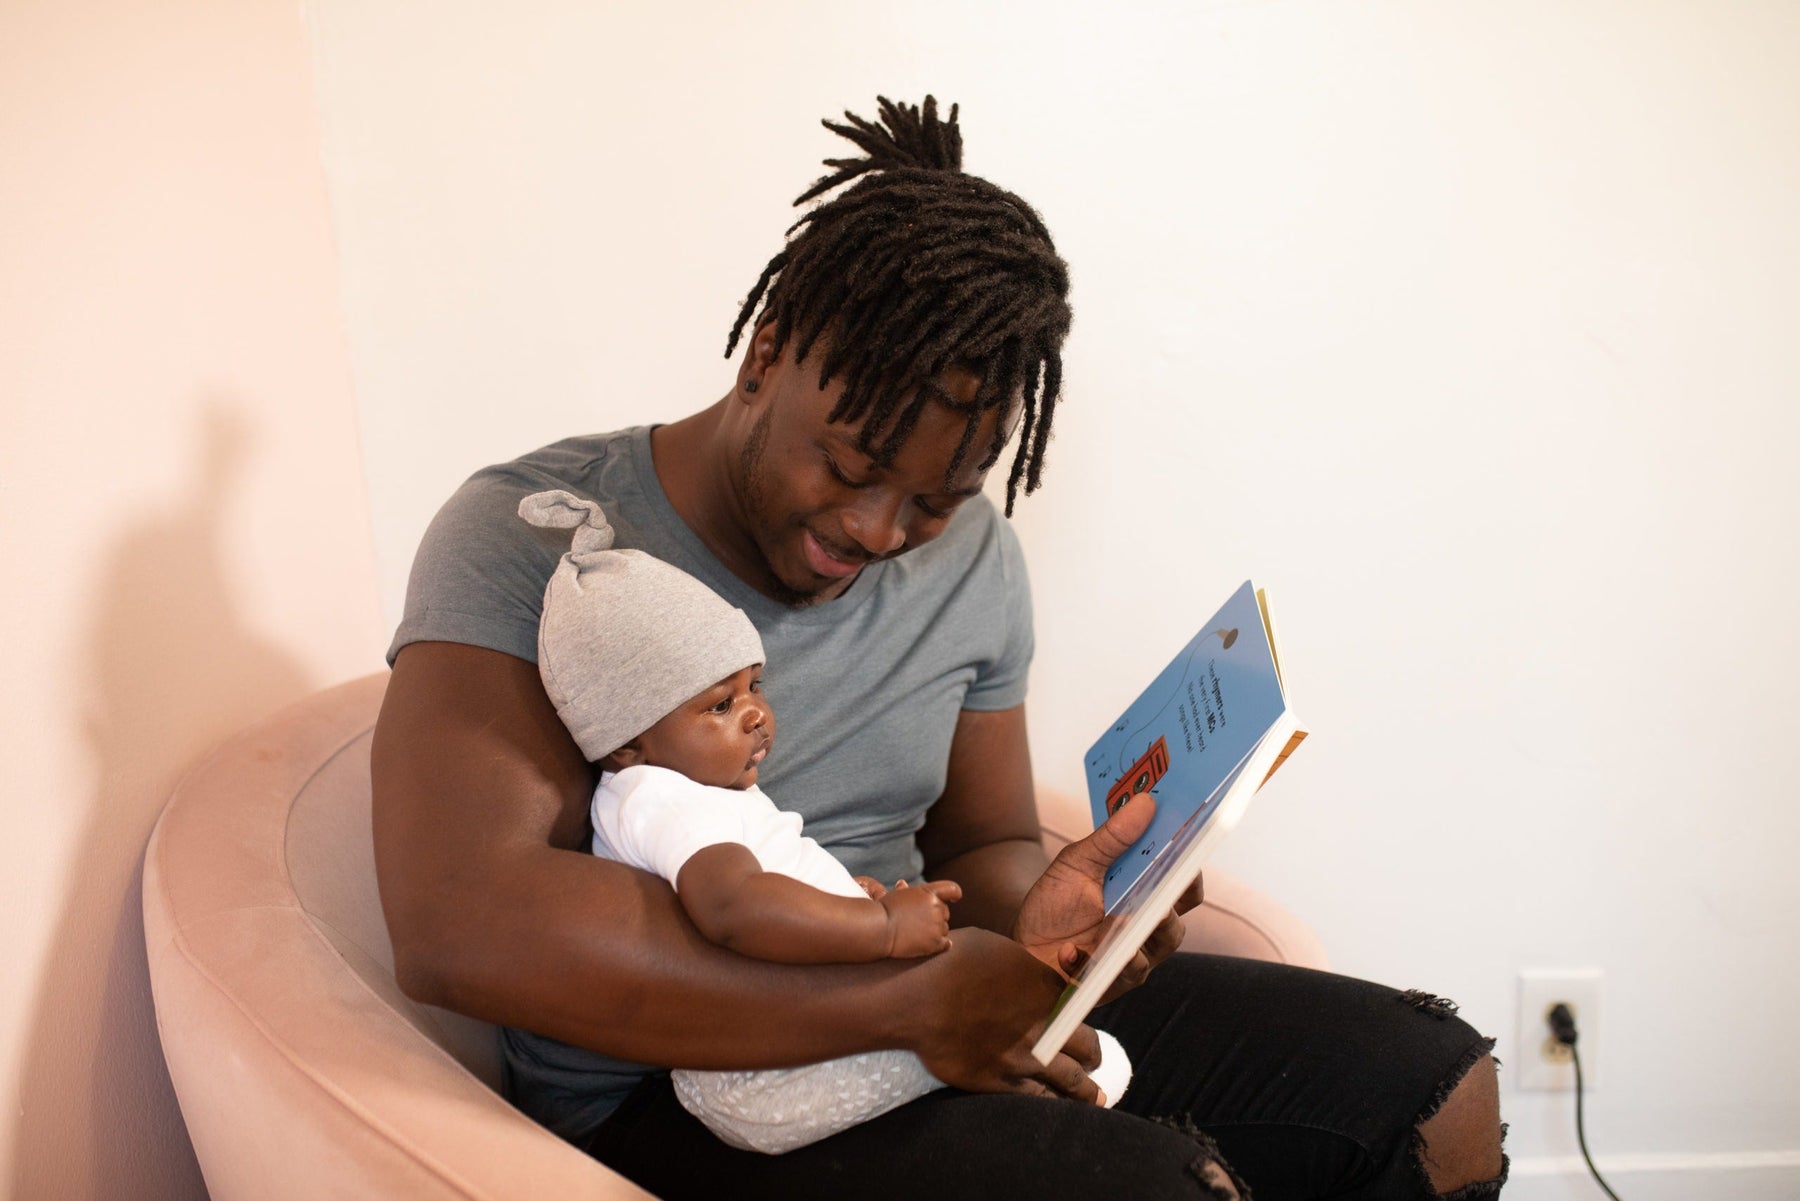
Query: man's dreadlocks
{"x": 917, "y": 268}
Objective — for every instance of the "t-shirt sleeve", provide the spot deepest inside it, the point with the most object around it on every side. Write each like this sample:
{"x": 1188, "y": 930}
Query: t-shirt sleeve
{"x": 1000, "y": 680}
{"x": 661, "y": 818}
{"x": 480, "y": 572}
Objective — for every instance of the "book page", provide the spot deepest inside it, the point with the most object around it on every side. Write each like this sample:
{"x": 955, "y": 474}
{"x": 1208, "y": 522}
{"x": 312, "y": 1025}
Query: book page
{"x": 1188, "y": 732}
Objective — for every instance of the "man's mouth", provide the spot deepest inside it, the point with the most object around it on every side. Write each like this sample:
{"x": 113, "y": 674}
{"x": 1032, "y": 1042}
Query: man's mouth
{"x": 828, "y": 562}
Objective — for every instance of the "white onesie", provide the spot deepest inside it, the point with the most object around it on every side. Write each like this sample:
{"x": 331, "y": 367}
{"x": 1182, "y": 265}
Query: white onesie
{"x": 655, "y": 819}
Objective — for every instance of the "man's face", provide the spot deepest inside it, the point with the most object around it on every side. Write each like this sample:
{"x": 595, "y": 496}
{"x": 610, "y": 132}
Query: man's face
{"x": 719, "y": 737}
{"x": 819, "y": 509}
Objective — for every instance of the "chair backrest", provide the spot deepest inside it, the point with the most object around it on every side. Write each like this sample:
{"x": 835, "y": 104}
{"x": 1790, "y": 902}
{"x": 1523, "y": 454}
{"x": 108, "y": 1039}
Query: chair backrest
{"x": 302, "y": 1069}
{"x": 330, "y": 861}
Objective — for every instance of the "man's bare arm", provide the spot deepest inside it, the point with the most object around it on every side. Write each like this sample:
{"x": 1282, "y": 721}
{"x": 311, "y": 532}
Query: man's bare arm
{"x": 479, "y": 814}
{"x": 983, "y": 831}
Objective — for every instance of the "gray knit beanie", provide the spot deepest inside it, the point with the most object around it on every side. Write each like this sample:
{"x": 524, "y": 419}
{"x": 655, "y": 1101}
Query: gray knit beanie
{"x": 625, "y": 637}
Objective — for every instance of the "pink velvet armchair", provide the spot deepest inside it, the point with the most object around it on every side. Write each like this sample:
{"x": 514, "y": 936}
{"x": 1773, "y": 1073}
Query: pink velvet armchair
{"x": 301, "y": 1068}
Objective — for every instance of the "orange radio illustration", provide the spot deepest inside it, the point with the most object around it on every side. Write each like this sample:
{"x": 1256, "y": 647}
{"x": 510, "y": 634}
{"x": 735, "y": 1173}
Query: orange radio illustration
{"x": 1141, "y": 777}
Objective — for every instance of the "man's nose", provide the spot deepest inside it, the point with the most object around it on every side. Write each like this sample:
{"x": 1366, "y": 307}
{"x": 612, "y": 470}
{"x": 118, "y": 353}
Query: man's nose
{"x": 874, "y": 522}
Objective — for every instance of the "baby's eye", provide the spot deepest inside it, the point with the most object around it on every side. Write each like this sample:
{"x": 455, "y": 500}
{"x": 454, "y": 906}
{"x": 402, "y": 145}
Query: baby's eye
{"x": 723, "y": 706}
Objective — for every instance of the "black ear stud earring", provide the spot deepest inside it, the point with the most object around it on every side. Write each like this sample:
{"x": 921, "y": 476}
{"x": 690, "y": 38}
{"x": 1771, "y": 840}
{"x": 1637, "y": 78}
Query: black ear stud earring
{"x": 749, "y": 385}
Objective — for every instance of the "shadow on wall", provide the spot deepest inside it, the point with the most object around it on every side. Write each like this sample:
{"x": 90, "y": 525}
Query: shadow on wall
{"x": 171, "y": 669}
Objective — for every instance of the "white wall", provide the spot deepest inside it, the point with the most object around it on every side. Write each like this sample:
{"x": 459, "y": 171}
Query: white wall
{"x": 1467, "y": 328}
{"x": 182, "y": 508}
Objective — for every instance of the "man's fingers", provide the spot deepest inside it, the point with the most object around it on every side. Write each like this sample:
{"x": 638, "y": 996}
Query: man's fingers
{"x": 1166, "y": 939}
{"x": 1136, "y": 971}
{"x": 1068, "y": 1079}
{"x": 1095, "y": 853}
{"x": 1084, "y": 1048}
{"x": 1192, "y": 896}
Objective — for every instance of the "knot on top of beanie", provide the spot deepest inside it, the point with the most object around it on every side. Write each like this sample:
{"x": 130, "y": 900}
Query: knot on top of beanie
{"x": 559, "y": 510}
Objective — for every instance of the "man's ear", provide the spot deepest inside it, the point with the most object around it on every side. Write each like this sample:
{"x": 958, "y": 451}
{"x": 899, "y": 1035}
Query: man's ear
{"x": 629, "y": 755}
{"x": 759, "y": 356}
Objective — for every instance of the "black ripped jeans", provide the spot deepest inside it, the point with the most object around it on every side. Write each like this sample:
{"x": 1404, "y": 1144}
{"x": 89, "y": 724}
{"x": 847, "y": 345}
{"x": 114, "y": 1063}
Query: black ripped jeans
{"x": 1310, "y": 1084}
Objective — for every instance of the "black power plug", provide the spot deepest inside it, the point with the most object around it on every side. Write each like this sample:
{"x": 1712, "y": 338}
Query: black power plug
{"x": 1562, "y": 1028}
{"x": 1562, "y": 1024}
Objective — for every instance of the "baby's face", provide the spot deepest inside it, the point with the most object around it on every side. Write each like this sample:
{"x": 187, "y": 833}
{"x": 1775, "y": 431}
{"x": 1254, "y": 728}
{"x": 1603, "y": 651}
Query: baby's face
{"x": 718, "y": 737}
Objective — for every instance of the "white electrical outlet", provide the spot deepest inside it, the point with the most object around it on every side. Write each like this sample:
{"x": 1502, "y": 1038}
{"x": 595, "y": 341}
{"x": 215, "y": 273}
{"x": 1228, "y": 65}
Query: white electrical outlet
{"x": 1543, "y": 1063}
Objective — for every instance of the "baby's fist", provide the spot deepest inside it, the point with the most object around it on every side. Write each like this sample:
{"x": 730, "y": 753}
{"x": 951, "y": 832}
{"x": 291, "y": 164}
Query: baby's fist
{"x": 918, "y": 919}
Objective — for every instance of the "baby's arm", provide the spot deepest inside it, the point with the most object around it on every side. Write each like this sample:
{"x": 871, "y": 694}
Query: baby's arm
{"x": 767, "y": 915}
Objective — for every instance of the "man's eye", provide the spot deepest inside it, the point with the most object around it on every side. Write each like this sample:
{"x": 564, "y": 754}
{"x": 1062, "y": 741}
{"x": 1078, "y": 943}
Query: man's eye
{"x": 941, "y": 509}
{"x": 837, "y": 473}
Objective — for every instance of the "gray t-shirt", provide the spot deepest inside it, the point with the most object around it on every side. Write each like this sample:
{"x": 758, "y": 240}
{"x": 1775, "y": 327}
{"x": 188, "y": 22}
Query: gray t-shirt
{"x": 866, "y": 688}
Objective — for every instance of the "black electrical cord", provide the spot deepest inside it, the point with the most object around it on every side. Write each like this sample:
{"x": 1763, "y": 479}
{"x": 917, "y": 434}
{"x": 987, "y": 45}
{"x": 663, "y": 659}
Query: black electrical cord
{"x": 1562, "y": 1026}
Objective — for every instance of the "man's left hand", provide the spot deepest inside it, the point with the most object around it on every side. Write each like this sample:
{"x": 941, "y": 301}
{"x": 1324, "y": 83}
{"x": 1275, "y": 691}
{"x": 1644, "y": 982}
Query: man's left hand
{"x": 1062, "y": 918}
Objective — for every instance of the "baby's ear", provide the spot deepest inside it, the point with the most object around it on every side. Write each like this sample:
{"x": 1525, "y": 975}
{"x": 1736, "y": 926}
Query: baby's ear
{"x": 629, "y": 755}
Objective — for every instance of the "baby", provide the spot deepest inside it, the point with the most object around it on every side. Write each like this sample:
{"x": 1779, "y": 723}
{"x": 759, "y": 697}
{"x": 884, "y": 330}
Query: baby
{"x": 659, "y": 680}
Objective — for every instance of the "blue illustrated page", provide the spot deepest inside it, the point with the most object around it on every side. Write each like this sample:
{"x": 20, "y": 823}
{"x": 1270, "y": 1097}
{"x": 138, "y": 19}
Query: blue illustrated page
{"x": 1186, "y": 735}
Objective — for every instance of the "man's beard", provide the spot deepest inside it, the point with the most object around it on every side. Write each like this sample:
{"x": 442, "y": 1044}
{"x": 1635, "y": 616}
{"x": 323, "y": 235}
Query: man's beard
{"x": 752, "y": 472}
{"x": 750, "y": 469}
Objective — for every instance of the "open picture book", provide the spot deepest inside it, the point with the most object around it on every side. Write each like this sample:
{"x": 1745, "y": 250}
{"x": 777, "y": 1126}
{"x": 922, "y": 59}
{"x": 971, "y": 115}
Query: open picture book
{"x": 1201, "y": 739}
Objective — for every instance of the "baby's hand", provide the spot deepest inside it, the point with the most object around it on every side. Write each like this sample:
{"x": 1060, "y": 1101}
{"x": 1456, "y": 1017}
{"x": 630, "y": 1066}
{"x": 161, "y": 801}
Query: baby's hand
{"x": 919, "y": 918}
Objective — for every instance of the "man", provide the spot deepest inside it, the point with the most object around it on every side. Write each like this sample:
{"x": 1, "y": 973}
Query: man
{"x": 911, "y": 326}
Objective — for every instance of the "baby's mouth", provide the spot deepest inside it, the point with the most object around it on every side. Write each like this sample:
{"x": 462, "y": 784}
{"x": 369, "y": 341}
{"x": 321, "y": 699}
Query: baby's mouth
{"x": 761, "y": 753}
